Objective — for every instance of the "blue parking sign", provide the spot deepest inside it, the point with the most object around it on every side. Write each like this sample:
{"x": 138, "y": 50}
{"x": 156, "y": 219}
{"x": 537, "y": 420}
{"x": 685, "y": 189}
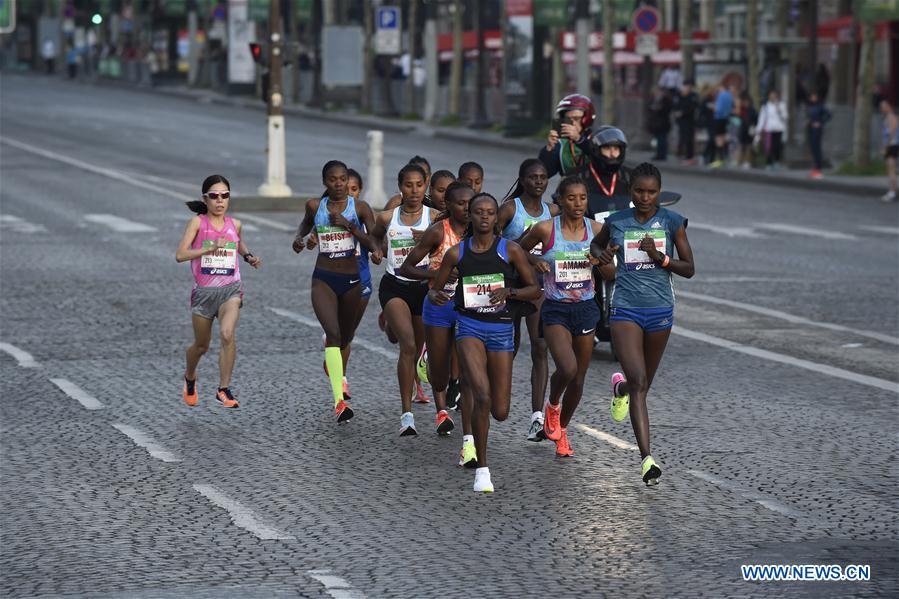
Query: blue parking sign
{"x": 388, "y": 17}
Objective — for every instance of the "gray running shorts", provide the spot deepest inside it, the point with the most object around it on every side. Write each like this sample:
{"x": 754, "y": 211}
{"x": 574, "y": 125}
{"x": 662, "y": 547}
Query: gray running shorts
{"x": 206, "y": 301}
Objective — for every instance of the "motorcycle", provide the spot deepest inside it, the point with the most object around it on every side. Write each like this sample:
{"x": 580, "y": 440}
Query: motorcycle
{"x": 602, "y": 206}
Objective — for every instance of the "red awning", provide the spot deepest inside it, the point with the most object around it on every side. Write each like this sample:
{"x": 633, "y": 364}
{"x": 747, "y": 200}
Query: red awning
{"x": 839, "y": 30}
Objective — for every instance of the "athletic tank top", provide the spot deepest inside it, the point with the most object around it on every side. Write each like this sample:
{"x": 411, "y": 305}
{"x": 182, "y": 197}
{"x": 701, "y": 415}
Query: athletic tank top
{"x": 336, "y": 242}
{"x": 400, "y": 241}
{"x": 220, "y": 268}
{"x": 479, "y": 275}
{"x": 522, "y": 221}
{"x": 570, "y": 276}
{"x": 886, "y": 135}
{"x": 436, "y": 257}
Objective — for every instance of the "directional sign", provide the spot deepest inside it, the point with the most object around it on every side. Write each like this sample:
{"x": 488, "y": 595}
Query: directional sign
{"x": 7, "y": 16}
{"x": 646, "y": 44}
{"x": 646, "y": 20}
{"x": 388, "y": 38}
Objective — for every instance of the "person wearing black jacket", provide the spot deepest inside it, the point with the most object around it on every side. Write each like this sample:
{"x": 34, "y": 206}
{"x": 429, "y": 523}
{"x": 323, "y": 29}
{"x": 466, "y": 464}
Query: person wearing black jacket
{"x": 686, "y": 105}
{"x": 608, "y": 181}
{"x": 660, "y": 122}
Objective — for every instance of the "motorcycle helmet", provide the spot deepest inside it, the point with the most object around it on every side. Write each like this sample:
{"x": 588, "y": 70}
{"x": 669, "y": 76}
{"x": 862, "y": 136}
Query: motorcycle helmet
{"x": 577, "y": 102}
{"x": 608, "y": 135}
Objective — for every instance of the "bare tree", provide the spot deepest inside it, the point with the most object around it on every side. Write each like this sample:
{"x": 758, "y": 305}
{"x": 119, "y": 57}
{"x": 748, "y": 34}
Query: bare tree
{"x": 455, "y": 90}
{"x": 861, "y": 139}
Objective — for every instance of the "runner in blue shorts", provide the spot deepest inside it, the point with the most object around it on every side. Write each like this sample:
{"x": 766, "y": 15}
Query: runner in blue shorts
{"x": 486, "y": 266}
{"x": 643, "y": 239}
{"x": 569, "y": 313}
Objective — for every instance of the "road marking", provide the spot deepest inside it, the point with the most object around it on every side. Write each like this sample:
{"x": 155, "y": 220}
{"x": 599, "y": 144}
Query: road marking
{"x": 119, "y": 224}
{"x": 800, "y": 230}
{"x": 106, "y": 172}
{"x": 243, "y": 517}
{"x": 142, "y": 439}
{"x": 19, "y": 225}
{"x": 267, "y": 222}
{"x": 788, "y": 317}
{"x": 763, "y": 500}
{"x": 77, "y": 393}
{"x": 747, "y": 232}
{"x": 863, "y": 379}
{"x": 335, "y": 586}
{"x": 877, "y": 229}
{"x": 357, "y": 341}
{"x": 24, "y": 359}
{"x": 610, "y": 439}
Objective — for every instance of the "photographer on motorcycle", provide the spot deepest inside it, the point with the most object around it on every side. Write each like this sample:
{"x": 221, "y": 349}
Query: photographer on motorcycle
{"x": 568, "y": 141}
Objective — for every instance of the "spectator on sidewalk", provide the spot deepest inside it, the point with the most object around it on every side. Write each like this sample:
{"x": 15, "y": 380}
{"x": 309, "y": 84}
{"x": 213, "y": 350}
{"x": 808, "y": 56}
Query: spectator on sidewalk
{"x": 48, "y": 53}
{"x": 724, "y": 106}
{"x": 706, "y": 121}
{"x": 660, "y": 122}
{"x": 748, "y": 117}
{"x": 770, "y": 129}
{"x": 72, "y": 60}
{"x": 816, "y": 117}
{"x": 686, "y": 105}
{"x": 890, "y": 146}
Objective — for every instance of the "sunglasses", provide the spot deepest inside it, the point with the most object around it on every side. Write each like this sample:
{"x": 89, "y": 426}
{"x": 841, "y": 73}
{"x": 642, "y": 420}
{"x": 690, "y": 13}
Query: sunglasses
{"x": 214, "y": 195}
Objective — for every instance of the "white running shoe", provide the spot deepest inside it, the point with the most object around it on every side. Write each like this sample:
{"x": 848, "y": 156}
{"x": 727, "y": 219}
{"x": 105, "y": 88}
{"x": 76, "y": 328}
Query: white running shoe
{"x": 535, "y": 433}
{"x": 482, "y": 483}
{"x": 889, "y": 196}
{"x": 407, "y": 425}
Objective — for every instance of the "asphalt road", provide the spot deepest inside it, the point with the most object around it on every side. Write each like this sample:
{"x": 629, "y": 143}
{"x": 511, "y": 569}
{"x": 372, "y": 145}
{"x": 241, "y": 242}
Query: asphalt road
{"x": 774, "y": 415}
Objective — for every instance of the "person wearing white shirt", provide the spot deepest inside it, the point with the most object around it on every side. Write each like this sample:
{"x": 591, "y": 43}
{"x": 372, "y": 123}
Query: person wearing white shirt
{"x": 771, "y": 127}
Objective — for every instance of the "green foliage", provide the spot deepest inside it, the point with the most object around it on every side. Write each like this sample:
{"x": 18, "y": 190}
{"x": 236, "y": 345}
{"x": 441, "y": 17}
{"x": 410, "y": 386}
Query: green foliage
{"x": 874, "y": 168}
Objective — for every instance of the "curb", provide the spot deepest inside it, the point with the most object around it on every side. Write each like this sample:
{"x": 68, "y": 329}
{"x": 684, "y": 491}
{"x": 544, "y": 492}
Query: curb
{"x": 531, "y": 146}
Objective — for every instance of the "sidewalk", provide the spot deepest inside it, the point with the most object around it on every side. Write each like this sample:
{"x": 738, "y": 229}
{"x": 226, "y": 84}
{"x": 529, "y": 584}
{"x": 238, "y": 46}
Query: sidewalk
{"x": 872, "y": 187}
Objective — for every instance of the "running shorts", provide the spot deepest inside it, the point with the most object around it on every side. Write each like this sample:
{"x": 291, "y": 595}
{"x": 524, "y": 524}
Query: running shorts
{"x": 579, "y": 318}
{"x": 411, "y": 292}
{"x": 650, "y": 320}
{"x": 206, "y": 301}
{"x": 444, "y": 316}
{"x": 496, "y": 336}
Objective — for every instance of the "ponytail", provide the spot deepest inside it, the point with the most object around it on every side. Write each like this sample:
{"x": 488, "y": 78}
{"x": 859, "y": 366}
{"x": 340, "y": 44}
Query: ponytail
{"x": 198, "y": 206}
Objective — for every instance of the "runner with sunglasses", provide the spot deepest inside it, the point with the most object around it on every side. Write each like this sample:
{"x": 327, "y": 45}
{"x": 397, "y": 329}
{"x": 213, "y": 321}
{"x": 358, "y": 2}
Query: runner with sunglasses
{"x": 340, "y": 222}
{"x": 487, "y": 266}
{"x": 212, "y": 242}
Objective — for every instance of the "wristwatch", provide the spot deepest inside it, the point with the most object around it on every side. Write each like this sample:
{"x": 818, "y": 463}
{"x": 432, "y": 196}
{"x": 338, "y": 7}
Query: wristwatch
{"x": 247, "y": 256}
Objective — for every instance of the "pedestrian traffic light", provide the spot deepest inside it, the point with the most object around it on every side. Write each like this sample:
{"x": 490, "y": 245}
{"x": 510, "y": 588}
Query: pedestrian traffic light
{"x": 256, "y": 51}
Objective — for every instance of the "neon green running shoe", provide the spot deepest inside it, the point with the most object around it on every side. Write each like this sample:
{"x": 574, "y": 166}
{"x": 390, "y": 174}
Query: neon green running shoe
{"x": 468, "y": 457}
{"x": 421, "y": 367}
{"x": 651, "y": 471}
{"x": 620, "y": 403}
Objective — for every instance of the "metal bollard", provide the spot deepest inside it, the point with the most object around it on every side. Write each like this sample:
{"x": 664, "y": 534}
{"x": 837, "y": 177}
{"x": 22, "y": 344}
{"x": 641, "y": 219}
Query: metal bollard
{"x": 374, "y": 192}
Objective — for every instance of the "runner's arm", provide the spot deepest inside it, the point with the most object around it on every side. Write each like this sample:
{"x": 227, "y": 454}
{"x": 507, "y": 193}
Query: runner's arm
{"x": 242, "y": 248}
{"x": 305, "y": 225}
{"x": 431, "y": 239}
{"x": 519, "y": 259}
{"x": 437, "y": 296}
{"x": 185, "y": 252}
{"x": 367, "y": 217}
{"x": 683, "y": 266}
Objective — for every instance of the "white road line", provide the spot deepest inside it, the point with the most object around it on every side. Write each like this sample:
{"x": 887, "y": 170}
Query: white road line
{"x": 335, "y": 586}
{"x": 99, "y": 170}
{"x": 267, "y": 222}
{"x": 788, "y": 317}
{"x": 763, "y": 500}
{"x": 77, "y": 393}
{"x": 242, "y": 516}
{"x": 799, "y": 230}
{"x": 863, "y": 379}
{"x": 19, "y": 225}
{"x": 357, "y": 341}
{"x": 747, "y": 232}
{"x": 119, "y": 224}
{"x": 876, "y": 229}
{"x": 142, "y": 439}
{"x": 610, "y": 439}
{"x": 24, "y": 359}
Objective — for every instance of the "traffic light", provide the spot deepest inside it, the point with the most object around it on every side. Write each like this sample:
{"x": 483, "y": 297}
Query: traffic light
{"x": 256, "y": 52}
{"x": 97, "y": 19}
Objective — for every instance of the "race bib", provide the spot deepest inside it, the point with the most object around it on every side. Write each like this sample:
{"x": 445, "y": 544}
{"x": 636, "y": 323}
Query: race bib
{"x": 476, "y": 292}
{"x": 537, "y": 250}
{"x": 637, "y": 259}
{"x": 572, "y": 270}
{"x": 601, "y": 217}
{"x": 335, "y": 242}
{"x": 400, "y": 248}
{"x": 221, "y": 262}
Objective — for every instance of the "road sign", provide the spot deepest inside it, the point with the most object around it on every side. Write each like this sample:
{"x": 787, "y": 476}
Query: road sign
{"x": 646, "y": 44}
{"x": 388, "y": 30}
{"x": 646, "y": 20}
{"x": 7, "y": 16}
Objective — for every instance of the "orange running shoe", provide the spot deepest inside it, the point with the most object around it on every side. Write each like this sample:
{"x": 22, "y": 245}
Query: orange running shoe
{"x": 551, "y": 425}
{"x": 420, "y": 396}
{"x": 191, "y": 397}
{"x": 563, "y": 449}
{"x": 225, "y": 398}
{"x": 346, "y": 390}
{"x": 444, "y": 423}
{"x": 343, "y": 411}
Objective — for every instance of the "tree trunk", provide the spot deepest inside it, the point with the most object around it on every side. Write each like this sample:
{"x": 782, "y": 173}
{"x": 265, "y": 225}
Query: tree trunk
{"x": 752, "y": 50}
{"x": 608, "y": 68}
{"x": 862, "y": 135}
{"x": 558, "y": 77}
{"x": 410, "y": 80}
{"x": 685, "y": 16}
{"x": 455, "y": 91}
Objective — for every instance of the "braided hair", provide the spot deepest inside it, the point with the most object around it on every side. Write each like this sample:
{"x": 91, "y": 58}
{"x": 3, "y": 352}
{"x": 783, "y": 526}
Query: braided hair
{"x": 647, "y": 169}
{"x": 566, "y": 183}
{"x": 469, "y": 230}
{"x": 517, "y": 188}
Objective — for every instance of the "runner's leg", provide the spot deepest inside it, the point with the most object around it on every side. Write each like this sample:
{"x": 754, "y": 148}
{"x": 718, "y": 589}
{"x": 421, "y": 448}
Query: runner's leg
{"x": 583, "y": 350}
{"x": 399, "y": 317}
{"x": 473, "y": 362}
{"x": 202, "y": 337}
{"x": 229, "y": 314}
{"x": 628, "y": 339}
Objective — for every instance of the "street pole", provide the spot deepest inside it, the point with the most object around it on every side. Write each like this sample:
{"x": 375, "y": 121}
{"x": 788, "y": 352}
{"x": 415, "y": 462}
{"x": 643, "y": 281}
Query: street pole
{"x": 276, "y": 173}
{"x": 861, "y": 136}
{"x": 374, "y": 191}
{"x": 412, "y": 31}
{"x": 192, "y": 50}
{"x": 455, "y": 86}
{"x": 686, "y": 34}
{"x": 608, "y": 66}
{"x": 582, "y": 30}
{"x": 480, "y": 119}
{"x": 432, "y": 66}
{"x": 813, "y": 47}
{"x": 752, "y": 50}
{"x": 368, "y": 57}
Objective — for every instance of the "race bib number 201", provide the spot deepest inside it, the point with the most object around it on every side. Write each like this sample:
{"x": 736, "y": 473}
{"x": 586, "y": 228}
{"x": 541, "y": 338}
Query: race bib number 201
{"x": 634, "y": 257}
{"x": 477, "y": 289}
{"x": 572, "y": 270}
